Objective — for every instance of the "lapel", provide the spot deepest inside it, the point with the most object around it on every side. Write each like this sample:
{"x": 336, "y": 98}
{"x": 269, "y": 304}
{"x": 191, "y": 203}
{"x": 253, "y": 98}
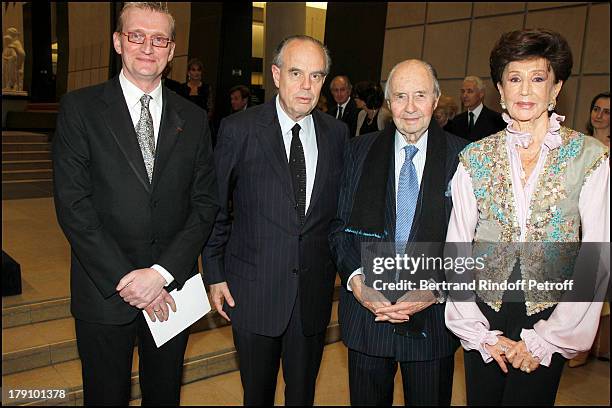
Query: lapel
{"x": 169, "y": 129}
{"x": 119, "y": 123}
{"x": 269, "y": 135}
{"x": 482, "y": 122}
{"x": 390, "y": 200}
{"x": 323, "y": 147}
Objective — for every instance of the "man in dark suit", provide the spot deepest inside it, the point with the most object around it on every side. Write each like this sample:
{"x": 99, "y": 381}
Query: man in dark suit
{"x": 270, "y": 265}
{"x": 135, "y": 194}
{"x": 393, "y": 189}
{"x": 477, "y": 121}
{"x": 345, "y": 108}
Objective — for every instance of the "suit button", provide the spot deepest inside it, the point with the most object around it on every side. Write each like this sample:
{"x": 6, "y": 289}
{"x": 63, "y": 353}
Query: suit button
{"x": 154, "y": 203}
{"x": 153, "y": 241}
{"x": 294, "y": 271}
{"x": 300, "y": 237}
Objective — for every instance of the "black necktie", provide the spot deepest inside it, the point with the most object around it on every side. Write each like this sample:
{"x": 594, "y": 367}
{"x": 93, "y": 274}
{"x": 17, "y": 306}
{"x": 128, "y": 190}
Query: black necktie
{"x": 471, "y": 123}
{"x": 297, "y": 165}
{"x": 339, "y": 112}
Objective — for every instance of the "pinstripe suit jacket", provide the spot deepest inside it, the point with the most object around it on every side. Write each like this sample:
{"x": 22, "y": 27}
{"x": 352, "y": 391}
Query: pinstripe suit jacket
{"x": 359, "y": 331}
{"x": 262, "y": 252}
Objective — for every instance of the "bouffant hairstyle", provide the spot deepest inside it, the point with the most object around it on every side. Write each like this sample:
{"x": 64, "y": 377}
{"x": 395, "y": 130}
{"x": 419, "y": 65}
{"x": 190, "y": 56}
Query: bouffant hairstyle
{"x": 370, "y": 93}
{"x": 527, "y": 44}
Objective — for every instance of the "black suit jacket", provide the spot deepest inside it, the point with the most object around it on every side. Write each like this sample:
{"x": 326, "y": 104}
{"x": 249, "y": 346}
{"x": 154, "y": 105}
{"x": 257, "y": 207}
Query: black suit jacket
{"x": 114, "y": 219}
{"x": 349, "y": 116}
{"x": 488, "y": 123}
{"x": 359, "y": 330}
{"x": 261, "y": 251}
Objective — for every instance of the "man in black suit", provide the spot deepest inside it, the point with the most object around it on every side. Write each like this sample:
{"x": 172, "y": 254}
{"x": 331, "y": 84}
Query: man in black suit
{"x": 270, "y": 265}
{"x": 345, "y": 108}
{"x": 477, "y": 121}
{"x": 135, "y": 194}
{"x": 375, "y": 206}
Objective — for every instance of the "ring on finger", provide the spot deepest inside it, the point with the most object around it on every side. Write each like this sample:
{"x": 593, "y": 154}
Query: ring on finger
{"x": 503, "y": 348}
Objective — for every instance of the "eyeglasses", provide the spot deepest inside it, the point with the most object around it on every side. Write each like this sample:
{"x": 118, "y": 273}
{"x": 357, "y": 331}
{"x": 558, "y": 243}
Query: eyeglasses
{"x": 139, "y": 38}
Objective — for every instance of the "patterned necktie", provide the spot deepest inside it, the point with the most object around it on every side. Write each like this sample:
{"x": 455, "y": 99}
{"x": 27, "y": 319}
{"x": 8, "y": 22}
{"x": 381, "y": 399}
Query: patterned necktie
{"x": 297, "y": 165}
{"x": 471, "y": 123}
{"x": 146, "y": 140}
{"x": 407, "y": 194}
{"x": 339, "y": 112}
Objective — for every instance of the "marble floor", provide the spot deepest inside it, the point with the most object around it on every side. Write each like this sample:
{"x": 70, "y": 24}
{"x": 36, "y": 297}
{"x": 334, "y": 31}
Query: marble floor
{"x": 31, "y": 235}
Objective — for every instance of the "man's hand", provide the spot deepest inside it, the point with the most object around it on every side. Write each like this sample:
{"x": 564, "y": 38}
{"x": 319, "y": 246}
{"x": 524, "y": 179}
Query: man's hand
{"x": 140, "y": 287}
{"x": 159, "y": 306}
{"x": 219, "y": 293}
{"x": 369, "y": 298}
{"x": 410, "y": 303}
{"x": 521, "y": 358}
{"x": 500, "y": 350}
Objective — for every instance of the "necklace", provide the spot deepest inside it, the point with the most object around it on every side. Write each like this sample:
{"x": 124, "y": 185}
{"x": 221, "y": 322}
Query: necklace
{"x": 526, "y": 163}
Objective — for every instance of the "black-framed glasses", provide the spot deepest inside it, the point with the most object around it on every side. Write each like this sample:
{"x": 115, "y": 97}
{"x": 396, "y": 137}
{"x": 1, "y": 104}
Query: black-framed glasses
{"x": 139, "y": 38}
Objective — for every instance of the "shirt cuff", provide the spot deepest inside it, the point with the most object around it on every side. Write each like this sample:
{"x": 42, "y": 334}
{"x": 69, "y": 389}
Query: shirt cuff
{"x": 537, "y": 346}
{"x": 348, "y": 282}
{"x": 487, "y": 337}
{"x": 164, "y": 273}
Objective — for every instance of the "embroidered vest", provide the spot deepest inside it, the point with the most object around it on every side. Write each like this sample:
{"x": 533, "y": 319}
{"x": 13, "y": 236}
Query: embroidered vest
{"x": 553, "y": 212}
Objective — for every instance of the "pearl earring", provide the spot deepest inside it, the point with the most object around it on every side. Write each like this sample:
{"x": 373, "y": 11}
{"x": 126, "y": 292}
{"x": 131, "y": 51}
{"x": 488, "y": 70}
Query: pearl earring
{"x": 551, "y": 106}
{"x": 503, "y": 104}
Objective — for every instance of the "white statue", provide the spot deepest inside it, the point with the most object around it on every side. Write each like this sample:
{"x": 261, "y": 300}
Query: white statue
{"x": 13, "y": 57}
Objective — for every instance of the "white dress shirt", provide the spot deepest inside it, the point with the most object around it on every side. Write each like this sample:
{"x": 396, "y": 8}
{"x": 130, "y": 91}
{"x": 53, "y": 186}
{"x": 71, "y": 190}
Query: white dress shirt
{"x": 132, "y": 95}
{"x": 476, "y": 113}
{"x": 400, "y": 157}
{"x": 308, "y": 138}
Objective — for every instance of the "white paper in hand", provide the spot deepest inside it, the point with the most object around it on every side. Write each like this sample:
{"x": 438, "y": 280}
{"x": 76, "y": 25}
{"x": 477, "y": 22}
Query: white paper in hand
{"x": 191, "y": 304}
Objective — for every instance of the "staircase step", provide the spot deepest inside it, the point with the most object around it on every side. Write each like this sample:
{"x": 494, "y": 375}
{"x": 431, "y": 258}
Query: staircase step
{"x": 11, "y": 175}
{"x": 26, "y": 155}
{"x": 26, "y": 146}
{"x": 22, "y": 315}
{"x": 19, "y": 189}
{"x": 12, "y": 136}
{"x": 208, "y": 353}
{"x": 42, "y": 107}
{"x": 27, "y": 165}
{"x": 31, "y": 120}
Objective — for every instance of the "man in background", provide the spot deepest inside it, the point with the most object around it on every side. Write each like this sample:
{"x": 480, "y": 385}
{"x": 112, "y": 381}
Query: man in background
{"x": 344, "y": 108}
{"x": 477, "y": 121}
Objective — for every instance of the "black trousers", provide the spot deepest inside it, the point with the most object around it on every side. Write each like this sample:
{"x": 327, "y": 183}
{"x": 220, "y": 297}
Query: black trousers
{"x": 486, "y": 384}
{"x": 371, "y": 380}
{"x": 260, "y": 358}
{"x": 106, "y": 358}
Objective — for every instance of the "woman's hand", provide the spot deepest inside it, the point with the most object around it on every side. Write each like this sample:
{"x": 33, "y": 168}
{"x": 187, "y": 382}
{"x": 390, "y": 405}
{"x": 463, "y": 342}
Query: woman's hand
{"x": 498, "y": 351}
{"x": 521, "y": 358}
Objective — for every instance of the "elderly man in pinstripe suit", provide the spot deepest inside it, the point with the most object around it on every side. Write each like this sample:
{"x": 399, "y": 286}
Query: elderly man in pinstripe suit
{"x": 280, "y": 164}
{"x": 393, "y": 190}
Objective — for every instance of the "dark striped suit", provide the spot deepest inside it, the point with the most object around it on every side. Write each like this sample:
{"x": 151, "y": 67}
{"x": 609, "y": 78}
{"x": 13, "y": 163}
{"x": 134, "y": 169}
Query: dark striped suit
{"x": 359, "y": 330}
{"x": 280, "y": 273}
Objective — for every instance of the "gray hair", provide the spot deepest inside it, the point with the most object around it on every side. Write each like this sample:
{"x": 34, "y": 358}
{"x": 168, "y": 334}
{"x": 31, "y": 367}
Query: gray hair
{"x": 346, "y": 79}
{"x": 476, "y": 80}
{"x": 156, "y": 6}
{"x": 277, "y": 59}
{"x": 430, "y": 69}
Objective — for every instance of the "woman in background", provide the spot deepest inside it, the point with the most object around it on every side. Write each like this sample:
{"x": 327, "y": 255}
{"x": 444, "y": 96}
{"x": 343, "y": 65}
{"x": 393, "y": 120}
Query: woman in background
{"x": 373, "y": 116}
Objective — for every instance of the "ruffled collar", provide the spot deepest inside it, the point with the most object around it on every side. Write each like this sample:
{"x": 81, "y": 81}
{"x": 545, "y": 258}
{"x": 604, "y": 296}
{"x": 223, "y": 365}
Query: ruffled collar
{"x": 552, "y": 140}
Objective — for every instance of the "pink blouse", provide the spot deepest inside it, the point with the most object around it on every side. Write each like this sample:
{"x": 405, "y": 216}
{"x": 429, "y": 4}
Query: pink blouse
{"x": 571, "y": 327}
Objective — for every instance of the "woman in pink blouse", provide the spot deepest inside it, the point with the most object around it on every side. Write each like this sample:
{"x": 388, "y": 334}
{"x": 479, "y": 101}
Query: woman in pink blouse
{"x": 535, "y": 181}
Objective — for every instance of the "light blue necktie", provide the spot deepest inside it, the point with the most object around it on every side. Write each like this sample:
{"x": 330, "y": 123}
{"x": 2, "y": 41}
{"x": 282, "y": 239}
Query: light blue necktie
{"x": 407, "y": 194}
